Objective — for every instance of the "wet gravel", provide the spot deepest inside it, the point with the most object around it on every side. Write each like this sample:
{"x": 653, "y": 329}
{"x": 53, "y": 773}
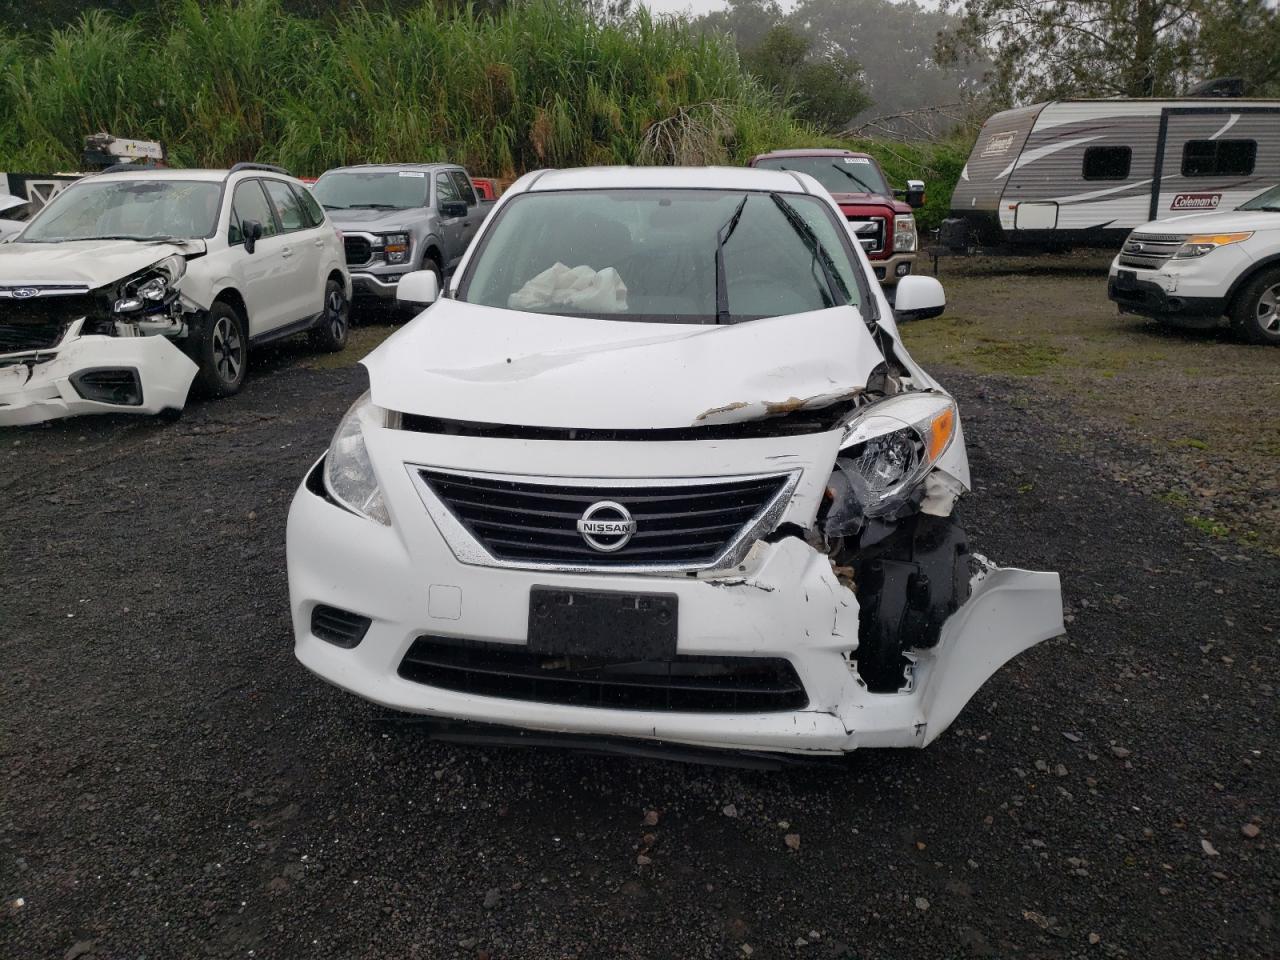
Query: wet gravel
{"x": 174, "y": 785}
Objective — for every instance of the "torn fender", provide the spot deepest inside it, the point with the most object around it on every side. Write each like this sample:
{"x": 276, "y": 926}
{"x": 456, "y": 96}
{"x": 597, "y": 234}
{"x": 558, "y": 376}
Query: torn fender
{"x": 34, "y": 389}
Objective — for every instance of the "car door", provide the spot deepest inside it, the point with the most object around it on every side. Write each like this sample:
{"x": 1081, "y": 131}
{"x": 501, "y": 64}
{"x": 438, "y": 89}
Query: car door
{"x": 453, "y": 228}
{"x": 261, "y": 276}
{"x": 474, "y": 217}
{"x": 303, "y": 287}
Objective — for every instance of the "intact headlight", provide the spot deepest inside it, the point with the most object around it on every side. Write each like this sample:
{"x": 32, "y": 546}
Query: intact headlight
{"x": 891, "y": 446}
{"x": 151, "y": 286}
{"x": 395, "y": 247}
{"x": 1199, "y": 244}
{"x": 904, "y": 234}
{"x": 348, "y": 472}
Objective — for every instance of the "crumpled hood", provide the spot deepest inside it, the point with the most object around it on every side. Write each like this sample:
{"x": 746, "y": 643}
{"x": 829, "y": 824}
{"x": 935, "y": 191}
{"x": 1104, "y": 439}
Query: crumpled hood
{"x": 1228, "y": 221}
{"x": 94, "y": 263}
{"x": 462, "y": 361}
{"x": 369, "y": 219}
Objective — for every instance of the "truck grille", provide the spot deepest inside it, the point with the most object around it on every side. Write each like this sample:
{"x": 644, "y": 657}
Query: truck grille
{"x": 689, "y": 684}
{"x": 1149, "y": 251}
{"x": 358, "y": 249}
{"x": 870, "y": 232}
{"x": 41, "y": 322}
{"x": 679, "y": 524}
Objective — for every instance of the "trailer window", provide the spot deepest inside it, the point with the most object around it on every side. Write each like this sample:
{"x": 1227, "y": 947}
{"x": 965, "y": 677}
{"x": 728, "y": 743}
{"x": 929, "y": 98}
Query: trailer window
{"x": 1218, "y": 158}
{"x": 1107, "y": 163}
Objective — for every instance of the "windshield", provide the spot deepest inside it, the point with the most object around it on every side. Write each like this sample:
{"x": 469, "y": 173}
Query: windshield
{"x": 372, "y": 190}
{"x": 837, "y": 174}
{"x": 666, "y": 256}
{"x": 1268, "y": 200}
{"x": 132, "y": 209}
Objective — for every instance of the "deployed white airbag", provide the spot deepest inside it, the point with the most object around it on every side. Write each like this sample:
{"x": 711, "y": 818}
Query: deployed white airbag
{"x": 580, "y": 290}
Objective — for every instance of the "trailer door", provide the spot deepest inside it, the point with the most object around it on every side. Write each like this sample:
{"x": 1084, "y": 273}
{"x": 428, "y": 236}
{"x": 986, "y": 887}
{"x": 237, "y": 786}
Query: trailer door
{"x": 1211, "y": 158}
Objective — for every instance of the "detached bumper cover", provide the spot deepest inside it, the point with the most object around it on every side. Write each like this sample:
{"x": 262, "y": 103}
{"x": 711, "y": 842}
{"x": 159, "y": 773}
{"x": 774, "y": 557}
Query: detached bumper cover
{"x": 785, "y": 602}
{"x": 40, "y": 386}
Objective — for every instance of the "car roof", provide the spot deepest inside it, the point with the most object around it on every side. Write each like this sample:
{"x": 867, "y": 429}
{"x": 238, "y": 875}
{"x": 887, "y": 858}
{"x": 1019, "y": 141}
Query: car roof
{"x": 709, "y": 178}
{"x": 812, "y": 152}
{"x": 397, "y": 166}
{"x": 178, "y": 173}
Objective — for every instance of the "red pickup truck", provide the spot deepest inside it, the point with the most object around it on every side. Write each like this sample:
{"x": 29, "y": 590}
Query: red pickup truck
{"x": 883, "y": 225}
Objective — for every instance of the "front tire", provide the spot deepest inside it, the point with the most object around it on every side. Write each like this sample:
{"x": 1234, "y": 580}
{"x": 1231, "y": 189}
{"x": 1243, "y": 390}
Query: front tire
{"x": 1255, "y": 315}
{"x": 335, "y": 322}
{"x": 223, "y": 352}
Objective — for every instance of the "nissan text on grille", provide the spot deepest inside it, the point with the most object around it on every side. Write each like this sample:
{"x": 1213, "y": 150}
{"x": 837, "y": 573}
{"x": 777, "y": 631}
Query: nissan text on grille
{"x": 657, "y": 468}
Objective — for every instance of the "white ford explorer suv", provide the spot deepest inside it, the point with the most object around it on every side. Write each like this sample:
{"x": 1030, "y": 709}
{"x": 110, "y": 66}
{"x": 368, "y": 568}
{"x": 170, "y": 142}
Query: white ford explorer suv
{"x": 132, "y": 283}
{"x": 1190, "y": 271}
{"x": 657, "y": 468}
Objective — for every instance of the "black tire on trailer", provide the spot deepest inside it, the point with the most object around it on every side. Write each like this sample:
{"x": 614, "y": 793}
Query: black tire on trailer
{"x": 1255, "y": 314}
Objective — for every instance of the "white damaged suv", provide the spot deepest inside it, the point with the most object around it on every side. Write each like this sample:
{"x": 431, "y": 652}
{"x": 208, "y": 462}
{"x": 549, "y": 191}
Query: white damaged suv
{"x": 657, "y": 469}
{"x": 131, "y": 284}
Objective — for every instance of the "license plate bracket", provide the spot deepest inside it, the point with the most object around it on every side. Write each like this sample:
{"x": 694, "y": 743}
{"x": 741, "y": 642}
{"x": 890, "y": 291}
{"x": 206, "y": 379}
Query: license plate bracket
{"x": 602, "y": 623}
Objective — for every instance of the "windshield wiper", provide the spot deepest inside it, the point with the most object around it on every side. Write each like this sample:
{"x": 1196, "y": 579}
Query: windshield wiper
{"x": 374, "y": 206}
{"x": 722, "y": 237}
{"x": 333, "y": 206}
{"x": 835, "y": 284}
{"x": 866, "y": 187}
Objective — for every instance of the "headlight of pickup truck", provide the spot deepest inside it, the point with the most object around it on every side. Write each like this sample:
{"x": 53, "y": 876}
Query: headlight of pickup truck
{"x": 348, "y": 472}
{"x": 904, "y": 234}
{"x": 888, "y": 449}
{"x": 1199, "y": 244}
{"x": 152, "y": 286}
{"x": 395, "y": 247}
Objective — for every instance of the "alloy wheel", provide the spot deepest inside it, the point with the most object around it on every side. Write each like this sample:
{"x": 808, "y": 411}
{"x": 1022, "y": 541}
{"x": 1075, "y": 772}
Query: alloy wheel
{"x": 228, "y": 350}
{"x": 1268, "y": 310}
{"x": 335, "y": 310}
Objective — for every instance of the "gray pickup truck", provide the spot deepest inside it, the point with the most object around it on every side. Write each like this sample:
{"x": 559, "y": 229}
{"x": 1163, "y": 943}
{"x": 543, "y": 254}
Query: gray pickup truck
{"x": 400, "y": 217}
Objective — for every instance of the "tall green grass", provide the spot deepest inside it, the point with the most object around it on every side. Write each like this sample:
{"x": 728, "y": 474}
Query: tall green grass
{"x": 542, "y": 84}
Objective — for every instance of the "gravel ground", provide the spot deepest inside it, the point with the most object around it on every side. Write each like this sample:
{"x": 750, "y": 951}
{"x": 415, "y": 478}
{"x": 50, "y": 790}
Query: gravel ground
{"x": 174, "y": 785}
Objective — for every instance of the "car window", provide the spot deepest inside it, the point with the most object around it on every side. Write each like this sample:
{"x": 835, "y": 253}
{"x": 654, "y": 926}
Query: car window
{"x": 130, "y": 208}
{"x": 839, "y": 174}
{"x": 464, "y": 187}
{"x": 310, "y": 206}
{"x": 650, "y": 255}
{"x": 372, "y": 189}
{"x": 446, "y": 189}
{"x": 287, "y": 205}
{"x": 250, "y": 203}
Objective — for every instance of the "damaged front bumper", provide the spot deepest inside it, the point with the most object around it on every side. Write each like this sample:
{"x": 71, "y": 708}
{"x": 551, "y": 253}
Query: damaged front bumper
{"x": 394, "y": 588}
{"x": 94, "y": 374}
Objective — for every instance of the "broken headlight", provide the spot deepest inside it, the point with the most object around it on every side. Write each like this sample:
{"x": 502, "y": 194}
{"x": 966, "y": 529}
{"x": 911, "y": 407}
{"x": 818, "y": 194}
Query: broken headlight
{"x": 152, "y": 287}
{"x": 887, "y": 450}
{"x": 348, "y": 472}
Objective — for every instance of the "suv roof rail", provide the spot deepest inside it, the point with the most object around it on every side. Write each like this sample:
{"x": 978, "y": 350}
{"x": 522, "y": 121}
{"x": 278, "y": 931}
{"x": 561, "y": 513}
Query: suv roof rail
{"x": 119, "y": 167}
{"x": 236, "y": 168}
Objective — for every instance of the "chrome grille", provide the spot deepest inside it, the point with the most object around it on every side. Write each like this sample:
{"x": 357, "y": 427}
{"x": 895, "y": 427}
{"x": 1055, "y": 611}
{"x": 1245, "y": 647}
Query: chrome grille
{"x": 1149, "y": 251}
{"x": 680, "y": 524}
{"x": 870, "y": 232}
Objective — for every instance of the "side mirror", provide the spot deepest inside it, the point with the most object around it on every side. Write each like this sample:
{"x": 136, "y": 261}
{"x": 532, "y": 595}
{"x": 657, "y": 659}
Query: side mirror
{"x": 453, "y": 208}
{"x": 418, "y": 289}
{"x": 918, "y": 298}
{"x": 915, "y": 194}
{"x": 252, "y": 230}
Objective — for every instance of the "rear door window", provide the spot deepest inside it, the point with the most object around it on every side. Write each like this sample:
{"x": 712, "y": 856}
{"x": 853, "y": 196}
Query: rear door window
{"x": 287, "y": 206}
{"x": 463, "y": 183}
{"x": 250, "y": 203}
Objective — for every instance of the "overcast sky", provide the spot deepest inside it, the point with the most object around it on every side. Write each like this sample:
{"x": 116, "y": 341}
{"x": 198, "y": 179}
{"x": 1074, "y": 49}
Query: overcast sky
{"x": 679, "y": 6}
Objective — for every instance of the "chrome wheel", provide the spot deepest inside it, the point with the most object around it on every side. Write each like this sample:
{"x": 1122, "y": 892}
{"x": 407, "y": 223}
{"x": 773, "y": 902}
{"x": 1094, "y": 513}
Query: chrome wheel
{"x": 228, "y": 350}
{"x": 1267, "y": 312}
{"x": 335, "y": 309}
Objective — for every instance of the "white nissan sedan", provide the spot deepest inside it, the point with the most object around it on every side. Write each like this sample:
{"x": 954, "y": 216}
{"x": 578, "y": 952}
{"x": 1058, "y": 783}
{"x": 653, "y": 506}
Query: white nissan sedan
{"x": 657, "y": 468}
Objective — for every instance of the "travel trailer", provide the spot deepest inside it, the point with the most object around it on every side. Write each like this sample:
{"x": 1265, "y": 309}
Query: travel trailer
{"x": 1086, "y": 172}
